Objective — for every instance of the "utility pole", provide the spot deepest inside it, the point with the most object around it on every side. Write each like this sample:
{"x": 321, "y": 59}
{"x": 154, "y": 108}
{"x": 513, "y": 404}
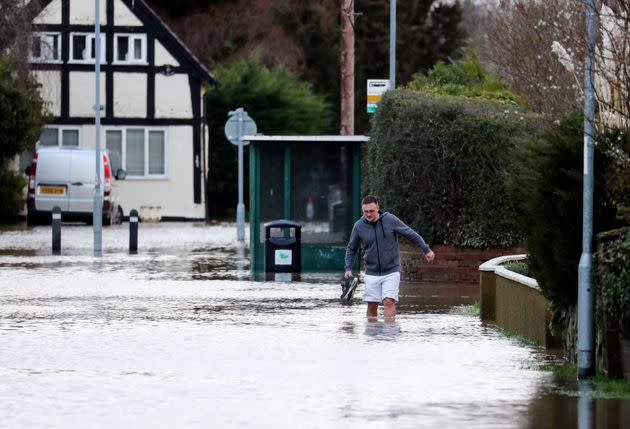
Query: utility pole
{"x": 347, "y": 67}
{"x": 392, "y": 44}
{"x": 586, "y": 290}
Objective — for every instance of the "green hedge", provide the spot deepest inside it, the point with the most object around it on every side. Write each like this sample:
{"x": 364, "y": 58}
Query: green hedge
{"x": 438, "y": 162}
{"x": 613, "y": 283}
{"x": 546, "y": 186}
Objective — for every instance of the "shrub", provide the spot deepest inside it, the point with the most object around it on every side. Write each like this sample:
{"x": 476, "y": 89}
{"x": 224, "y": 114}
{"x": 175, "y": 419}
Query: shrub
{"x": 20, "y": 125}
{"x": 438, "y": 162}
{"x": 11, "y": 195}
{"x": 466, "y": 77}
{"x": 545, "y": 184}
{"x": 613, "y": 278}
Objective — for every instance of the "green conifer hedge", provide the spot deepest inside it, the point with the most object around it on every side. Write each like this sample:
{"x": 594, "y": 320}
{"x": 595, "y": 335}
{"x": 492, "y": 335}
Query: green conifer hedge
{"x": 439, "y": 163}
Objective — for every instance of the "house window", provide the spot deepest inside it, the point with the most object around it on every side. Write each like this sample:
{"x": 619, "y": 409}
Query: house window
{"x": 141, "y": 152}
{"x": 83, "y": 47}
{"x": 130, "y": 48}
{"x": 52, "y": 136}
{"x": 45, "y": 47}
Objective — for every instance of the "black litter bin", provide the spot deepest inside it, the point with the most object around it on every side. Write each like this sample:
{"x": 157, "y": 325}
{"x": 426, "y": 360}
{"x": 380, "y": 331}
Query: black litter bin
{"x": 283, "y": 254}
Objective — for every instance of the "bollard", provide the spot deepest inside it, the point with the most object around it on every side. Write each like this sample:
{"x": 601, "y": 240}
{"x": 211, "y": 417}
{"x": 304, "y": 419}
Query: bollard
{"x": 56, "y": 231}
{"x": 133, "y": 231}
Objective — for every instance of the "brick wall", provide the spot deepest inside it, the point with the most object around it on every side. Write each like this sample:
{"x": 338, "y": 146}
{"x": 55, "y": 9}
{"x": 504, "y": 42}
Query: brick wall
{"x": 454, "y": 265}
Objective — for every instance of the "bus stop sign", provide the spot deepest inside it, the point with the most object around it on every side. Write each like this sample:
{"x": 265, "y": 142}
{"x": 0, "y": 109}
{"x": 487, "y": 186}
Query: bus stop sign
{"x": 239, "y": 124}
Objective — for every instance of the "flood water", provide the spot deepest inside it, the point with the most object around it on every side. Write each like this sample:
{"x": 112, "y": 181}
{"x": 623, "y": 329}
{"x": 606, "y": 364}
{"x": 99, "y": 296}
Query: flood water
{"x": 182, "y": 336}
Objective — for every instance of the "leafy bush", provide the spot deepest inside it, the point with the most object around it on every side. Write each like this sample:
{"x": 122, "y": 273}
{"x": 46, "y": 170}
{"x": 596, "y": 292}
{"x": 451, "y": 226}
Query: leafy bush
{"x": 438, "y": 162}
{"x": 466, "y": 77}
{"x": 11, "y": 196}
{"x": 279, "y": 104}
{"x": 613, "y": 278}
{"x": 545, "y": 184}
{"x": 20, "y": 124}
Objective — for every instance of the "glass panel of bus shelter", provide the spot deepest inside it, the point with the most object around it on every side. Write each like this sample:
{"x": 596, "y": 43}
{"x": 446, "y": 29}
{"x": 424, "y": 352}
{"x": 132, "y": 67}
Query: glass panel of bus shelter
{"x": 271, "y": 198}
{"x": 321, "y": 179}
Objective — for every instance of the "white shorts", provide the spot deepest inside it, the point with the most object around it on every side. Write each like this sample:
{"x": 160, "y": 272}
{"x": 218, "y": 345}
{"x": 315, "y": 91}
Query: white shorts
{"x": 377, "y": 288}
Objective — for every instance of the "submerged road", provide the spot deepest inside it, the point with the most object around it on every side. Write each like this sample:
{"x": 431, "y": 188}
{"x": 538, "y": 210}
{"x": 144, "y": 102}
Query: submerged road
{"x": 181, "y": 336}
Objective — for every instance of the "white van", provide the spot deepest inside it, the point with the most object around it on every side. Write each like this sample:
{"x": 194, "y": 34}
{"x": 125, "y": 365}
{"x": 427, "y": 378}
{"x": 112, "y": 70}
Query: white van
{"x": 64, "y": 177}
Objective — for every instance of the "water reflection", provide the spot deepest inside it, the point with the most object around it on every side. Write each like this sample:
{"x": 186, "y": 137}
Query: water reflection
{"x": 387, "y": 330}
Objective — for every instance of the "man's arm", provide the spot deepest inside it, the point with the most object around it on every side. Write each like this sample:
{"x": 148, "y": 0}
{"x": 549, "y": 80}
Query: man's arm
{"x": 351, "y": 251}
{"x": 403, "y": 229}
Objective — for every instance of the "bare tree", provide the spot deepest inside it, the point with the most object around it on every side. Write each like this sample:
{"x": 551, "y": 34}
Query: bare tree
{"x": 538, "y": 48}
{"x": 15, "y": 33}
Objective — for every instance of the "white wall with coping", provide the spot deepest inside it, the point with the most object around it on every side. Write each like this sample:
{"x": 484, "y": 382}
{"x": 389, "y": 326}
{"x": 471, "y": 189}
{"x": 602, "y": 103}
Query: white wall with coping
{"x": 50, "y": 15}
{"x": 82, "y": 12}
{"x": 172, "y": 96}
{"x": 50, "y": 89}
{"x": 130, "y": 95}
{"x": 82, "y": 93}
{"x": 123, "y": 16}
{"x": 496, "y": 265}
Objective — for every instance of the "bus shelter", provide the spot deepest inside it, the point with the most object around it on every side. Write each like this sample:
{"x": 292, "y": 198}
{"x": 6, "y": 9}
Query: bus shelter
{"x": 314, "y": 181}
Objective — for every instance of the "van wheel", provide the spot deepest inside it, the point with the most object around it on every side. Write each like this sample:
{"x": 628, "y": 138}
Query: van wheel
{"x": 33, "y": 220}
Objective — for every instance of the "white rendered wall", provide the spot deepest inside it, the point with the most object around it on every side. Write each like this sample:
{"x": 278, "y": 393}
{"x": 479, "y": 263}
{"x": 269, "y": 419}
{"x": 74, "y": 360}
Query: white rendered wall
{"x": 171, "y": 196}
{"x": 82, "y": 93}
{"x": 172, "y": 96}
{"x": 82, "y": 12}
{"x": 123, "y": 16}
{"x": 130, "y": 95}
{"x": 162, "y": 56}
{"x": 50, "y": 90}
{"x": 50, "y": 15}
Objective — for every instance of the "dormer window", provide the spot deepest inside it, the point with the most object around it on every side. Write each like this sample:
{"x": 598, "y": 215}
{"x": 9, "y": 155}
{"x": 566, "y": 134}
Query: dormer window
{"x": 83, "y": 48}
{"x": 130, "y": 48}
{"x": 45, "y": 47}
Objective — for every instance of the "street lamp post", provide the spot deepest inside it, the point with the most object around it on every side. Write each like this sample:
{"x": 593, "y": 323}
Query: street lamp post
{"x": 586, "y": 290}
{"x": 97, "y": 213}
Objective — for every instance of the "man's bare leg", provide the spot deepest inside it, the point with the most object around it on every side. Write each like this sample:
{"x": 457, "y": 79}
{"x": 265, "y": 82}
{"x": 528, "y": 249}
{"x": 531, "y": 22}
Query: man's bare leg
{"x": 372, "y": 310}
{"x": 389, "y": 308}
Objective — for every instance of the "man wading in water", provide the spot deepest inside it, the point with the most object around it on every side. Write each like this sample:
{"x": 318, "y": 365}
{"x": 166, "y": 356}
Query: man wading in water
{"x": 378, "y": 232}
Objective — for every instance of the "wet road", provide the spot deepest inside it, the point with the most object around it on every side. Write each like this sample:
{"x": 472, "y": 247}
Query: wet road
{"x": 181, "y": 336}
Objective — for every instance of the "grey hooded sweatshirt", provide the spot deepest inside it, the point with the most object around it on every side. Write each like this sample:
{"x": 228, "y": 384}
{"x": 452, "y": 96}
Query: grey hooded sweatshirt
{"x": 380, "y": 242}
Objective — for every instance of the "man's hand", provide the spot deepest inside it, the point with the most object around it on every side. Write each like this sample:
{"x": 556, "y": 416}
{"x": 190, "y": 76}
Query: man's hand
{"x": 429, "y": 256}
{"x": 348, "y": 274}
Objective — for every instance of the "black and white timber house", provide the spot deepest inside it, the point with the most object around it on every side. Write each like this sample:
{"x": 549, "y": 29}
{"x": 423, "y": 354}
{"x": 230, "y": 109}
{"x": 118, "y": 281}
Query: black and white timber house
{"x": 152, "y": 92}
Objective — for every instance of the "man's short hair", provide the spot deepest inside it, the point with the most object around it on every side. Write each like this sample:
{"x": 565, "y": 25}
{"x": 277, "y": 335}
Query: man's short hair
{"x": 369, "y": 199}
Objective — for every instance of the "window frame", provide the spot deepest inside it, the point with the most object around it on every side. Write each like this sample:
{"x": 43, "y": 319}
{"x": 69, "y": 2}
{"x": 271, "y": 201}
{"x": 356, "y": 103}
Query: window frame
{"x": 123, "y": 148}
{"x": 60, "y": 129}
{"x": 89, "y": 37}
{"x": 131, "y": 37}
{"x": 41, "y": 35}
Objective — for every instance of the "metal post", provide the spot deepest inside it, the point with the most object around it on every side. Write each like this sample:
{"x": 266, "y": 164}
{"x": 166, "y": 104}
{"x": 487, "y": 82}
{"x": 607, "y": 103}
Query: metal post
{"x": 240, "y": 208}
{"x": 97, "y": 212}
{"x": 392, "y": 44}
{"x": 56, "y": 230}
{"x": 347, "y": 67}
{"x": 586, "y": 291}
{"x": 133, "y": 231}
